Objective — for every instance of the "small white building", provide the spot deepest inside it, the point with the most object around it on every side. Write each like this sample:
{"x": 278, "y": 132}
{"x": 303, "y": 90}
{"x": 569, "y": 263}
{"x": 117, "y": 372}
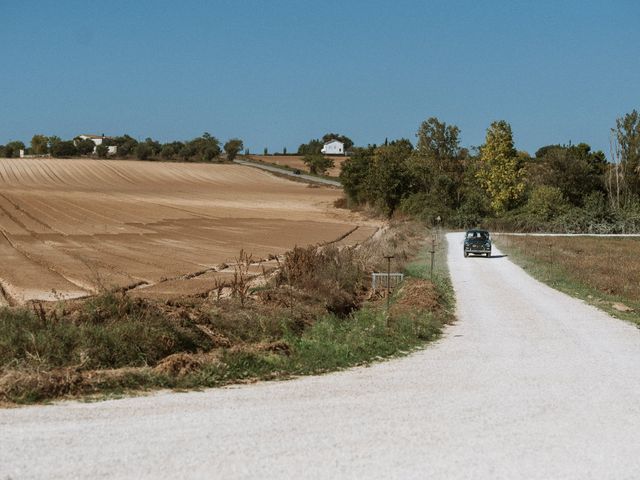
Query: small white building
{"x": 97, "y": 140}
{"x": 333, "y": 147}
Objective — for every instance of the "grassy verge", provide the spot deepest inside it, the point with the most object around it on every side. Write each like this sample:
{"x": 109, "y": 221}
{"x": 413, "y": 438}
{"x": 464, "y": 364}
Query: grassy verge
{"x": 315, "y": 314}
{"x": 602, "y": 271}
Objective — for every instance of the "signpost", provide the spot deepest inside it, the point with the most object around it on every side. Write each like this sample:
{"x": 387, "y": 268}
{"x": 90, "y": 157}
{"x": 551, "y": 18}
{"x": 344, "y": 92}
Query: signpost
{"x": 388, "y": 257}
{"x": 434, "y": 241}
{"x": 433, "y": 252}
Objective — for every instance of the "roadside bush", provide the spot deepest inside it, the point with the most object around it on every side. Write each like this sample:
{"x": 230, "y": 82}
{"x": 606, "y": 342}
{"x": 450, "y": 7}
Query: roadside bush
{"x": 424, "y": 207}
{"x": 333, "y": 275}
{"x": 108, "y": 333}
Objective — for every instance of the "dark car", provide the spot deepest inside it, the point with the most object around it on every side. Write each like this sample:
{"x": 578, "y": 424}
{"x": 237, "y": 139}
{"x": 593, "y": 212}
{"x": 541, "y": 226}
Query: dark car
{"x": 477, "y": 242}
{"x": 297, "y": 171}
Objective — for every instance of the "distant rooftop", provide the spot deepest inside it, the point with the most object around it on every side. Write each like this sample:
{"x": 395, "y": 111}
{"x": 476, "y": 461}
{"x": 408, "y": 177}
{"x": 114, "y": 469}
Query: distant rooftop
{"x": 89, "y": 135}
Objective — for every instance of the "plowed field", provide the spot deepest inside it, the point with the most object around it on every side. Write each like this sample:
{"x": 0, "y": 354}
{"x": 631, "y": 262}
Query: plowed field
{"x": 71, "y": 227}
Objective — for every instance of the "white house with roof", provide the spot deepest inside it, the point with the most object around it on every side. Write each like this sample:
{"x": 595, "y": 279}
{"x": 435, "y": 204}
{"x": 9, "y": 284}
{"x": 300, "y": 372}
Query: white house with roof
{"x": 97, "y": 140}
{"x": 333, "y": 147}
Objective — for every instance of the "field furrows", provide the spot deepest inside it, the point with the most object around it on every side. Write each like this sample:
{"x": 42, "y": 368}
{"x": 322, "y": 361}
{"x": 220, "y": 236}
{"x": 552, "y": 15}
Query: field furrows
{"x": 24, "y": 278}
{"x": 72, "y": 227}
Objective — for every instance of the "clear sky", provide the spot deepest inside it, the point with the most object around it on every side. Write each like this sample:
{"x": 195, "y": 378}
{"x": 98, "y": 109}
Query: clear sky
{"x": 277, "y": 73}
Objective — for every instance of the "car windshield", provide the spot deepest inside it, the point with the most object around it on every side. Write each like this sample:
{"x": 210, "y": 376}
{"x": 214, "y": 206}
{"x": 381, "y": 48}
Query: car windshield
{"x": 482, "y": 235}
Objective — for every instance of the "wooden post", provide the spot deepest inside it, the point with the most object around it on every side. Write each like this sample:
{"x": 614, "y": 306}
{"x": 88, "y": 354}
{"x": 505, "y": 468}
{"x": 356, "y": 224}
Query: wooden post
{"x": 433, "y": 251}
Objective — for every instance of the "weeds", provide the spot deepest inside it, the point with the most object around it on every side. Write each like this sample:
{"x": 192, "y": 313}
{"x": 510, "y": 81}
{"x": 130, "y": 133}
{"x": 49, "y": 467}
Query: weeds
{"x": 107, "y": 332}
{"x": 334, "y": 276}
{"x": 308, "y": 318}
{"x": 240, "y": 284}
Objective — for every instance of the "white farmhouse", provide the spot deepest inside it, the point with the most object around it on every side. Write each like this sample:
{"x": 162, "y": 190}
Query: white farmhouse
{"x": 97, "y": 140}
{"x": 333, "y": 147}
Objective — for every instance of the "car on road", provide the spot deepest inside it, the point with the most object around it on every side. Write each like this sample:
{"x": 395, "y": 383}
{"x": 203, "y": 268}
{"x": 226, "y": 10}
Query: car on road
{"x": 478, "y": 242}
{"x": 297, "y": 171}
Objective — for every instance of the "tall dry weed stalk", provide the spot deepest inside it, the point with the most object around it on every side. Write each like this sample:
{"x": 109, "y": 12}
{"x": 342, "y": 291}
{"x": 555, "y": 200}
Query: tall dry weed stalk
{"x": 240, "y": 284}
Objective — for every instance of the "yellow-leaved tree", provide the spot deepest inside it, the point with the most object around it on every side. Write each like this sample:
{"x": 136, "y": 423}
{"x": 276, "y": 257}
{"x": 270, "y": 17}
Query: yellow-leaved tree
{"x": 500, "y": 173}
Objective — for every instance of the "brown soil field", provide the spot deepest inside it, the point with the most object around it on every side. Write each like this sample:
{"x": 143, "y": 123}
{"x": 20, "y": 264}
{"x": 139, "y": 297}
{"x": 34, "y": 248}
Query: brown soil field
{"x": 295, "y": 161}
{"x": 69, "y": 228}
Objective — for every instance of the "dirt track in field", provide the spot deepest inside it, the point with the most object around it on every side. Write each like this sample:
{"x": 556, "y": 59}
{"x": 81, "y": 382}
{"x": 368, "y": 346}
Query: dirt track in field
{"x": 70, "y": 227}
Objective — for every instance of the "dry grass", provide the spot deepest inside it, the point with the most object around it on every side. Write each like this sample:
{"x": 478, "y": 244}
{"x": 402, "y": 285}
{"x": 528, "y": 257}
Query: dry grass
{"x": 602, "y": 270}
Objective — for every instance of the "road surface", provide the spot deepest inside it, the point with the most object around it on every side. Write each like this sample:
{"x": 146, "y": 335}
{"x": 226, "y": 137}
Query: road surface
{"x": 284, "y": 171}
{"x": 529, "y": 383}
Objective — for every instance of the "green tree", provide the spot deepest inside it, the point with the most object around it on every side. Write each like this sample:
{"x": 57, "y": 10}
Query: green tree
{"x": 627, "y": 133}
{"x": 188, "y": 151}
{"x": 546, "y": 203}
{"x": 318, "y": 164}
{"x": 102, "y": 150}
{"x": 389, "y": 180}
{"x": 153, "y": 145}
{"x": 52, "y": 141}
{"x": 64, "y": 149}
{"x": 438, "y": 141}
{"x": 206, "y": 148}
{"x": 312, "y": 148}
{"x": 167, "y": 151}
{"x": 126, "y": 145}
{"x": 12, "y": 149}
{"x": 575, "y": 170}
{"x": 143, "y": 151}
{"x": 501, "y": 174}
{"x": 85, "y": 146}
{"x": 232, "y": 148}
{"x": 354, "y": 173}
{"x": 39, "y": 145}
{"x": 437, "y": 163}
{"x": 171, "y": 150}
{"x": 201, "y": 149}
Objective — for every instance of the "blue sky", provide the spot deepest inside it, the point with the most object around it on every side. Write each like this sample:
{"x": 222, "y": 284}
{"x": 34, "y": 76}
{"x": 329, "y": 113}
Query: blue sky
{"x": 277, "y": 73}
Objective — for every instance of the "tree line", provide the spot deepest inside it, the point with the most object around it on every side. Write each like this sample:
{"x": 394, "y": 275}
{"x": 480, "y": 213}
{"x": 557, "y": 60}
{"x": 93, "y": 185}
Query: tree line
{"x": 567, "y": 188}
{"x": 205, "y": 148}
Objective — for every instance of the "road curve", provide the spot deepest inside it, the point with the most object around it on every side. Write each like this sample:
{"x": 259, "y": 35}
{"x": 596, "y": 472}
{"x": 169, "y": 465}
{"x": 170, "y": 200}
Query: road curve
{"x": 284, "y": 171}
{"x": 529, "y": 383}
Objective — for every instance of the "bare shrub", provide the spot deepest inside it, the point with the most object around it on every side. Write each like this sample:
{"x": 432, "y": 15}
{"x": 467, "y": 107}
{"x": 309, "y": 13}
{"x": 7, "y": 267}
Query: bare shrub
{"x": 334, "y": 275}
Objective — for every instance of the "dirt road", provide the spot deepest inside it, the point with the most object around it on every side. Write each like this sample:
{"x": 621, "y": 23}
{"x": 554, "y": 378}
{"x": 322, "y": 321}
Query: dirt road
{"x": 528, "y": 384}
{"x": 282, "y": 171}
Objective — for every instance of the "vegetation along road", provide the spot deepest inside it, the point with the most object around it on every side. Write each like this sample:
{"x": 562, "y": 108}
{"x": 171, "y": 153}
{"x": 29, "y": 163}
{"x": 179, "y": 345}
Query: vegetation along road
{"x": 529, "y": 383}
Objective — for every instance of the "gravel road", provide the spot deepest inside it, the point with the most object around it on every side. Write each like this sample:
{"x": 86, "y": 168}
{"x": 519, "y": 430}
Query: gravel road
{"x": 528, "y": 384}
